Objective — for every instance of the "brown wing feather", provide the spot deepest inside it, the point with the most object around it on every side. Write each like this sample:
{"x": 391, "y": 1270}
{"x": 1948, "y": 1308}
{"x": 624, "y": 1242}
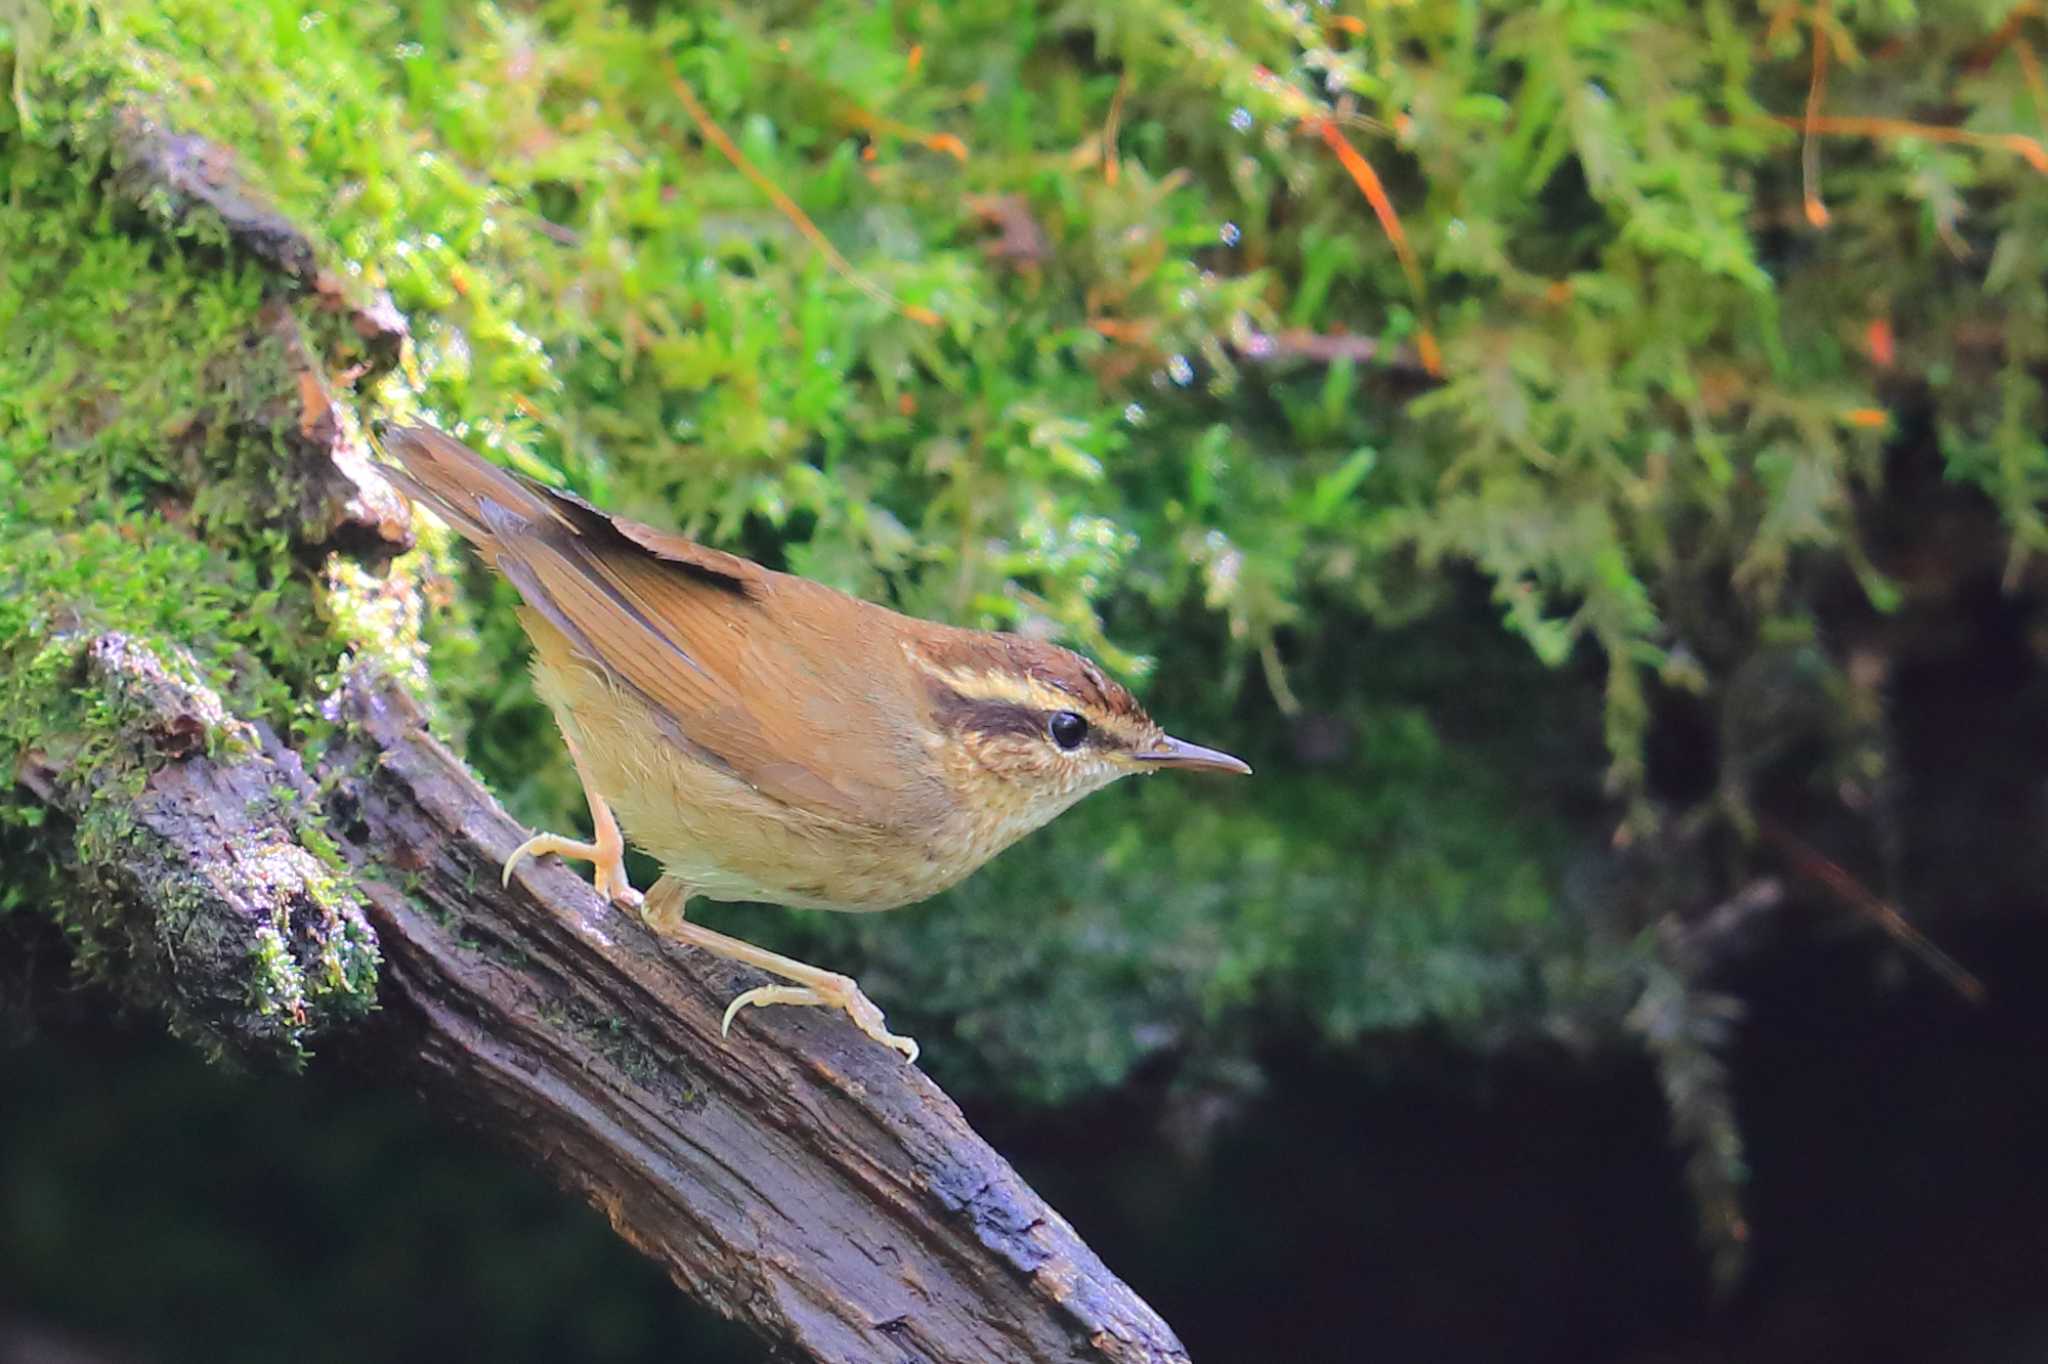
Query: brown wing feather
{"x": 791, "y": 710}
{"x": 729, "y": 570}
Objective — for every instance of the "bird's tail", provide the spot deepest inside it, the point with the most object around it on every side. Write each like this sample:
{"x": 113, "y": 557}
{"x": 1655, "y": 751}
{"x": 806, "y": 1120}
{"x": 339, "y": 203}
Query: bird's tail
{"x": 476, "y": 497}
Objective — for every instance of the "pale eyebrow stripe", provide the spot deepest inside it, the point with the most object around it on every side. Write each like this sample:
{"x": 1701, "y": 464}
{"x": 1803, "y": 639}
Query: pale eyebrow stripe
{"x": 973, "y": 684}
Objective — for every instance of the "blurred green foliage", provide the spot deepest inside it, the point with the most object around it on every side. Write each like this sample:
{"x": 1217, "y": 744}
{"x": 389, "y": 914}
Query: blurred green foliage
{"x": 1109, "y": 346}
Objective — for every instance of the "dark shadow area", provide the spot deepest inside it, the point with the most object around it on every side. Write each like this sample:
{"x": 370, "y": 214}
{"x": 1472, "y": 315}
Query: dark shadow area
{"x": 154, "y": 1205}
{"x": 1899, "y": 1198}
{"x": 1394, "y": 1207}
{"x": 1419, "y": 1208}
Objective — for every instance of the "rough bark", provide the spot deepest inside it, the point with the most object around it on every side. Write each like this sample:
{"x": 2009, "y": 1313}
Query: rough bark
{"x": 796, "y": 1176}
{"x": 193, "y": 888}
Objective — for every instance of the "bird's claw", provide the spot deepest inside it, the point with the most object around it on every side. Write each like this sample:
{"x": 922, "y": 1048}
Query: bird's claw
{"x": 611, "y": 883}
{"x": 609, "y": 875}
{"x": 849, "y": 999}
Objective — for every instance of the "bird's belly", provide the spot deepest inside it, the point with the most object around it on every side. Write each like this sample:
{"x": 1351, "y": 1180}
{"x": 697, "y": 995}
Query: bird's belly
{"x": 716, "y": 834}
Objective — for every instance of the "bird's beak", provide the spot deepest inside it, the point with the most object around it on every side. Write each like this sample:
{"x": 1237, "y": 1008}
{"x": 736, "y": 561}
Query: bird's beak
{"x": 1171, "y": 752}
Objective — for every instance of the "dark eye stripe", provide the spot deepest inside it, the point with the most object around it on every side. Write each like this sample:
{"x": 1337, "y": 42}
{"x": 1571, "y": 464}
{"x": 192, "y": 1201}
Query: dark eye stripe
{"x": 964, "y": 713}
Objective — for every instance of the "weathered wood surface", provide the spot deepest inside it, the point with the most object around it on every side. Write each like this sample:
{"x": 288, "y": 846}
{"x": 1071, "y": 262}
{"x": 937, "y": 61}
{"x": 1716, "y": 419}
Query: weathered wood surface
{"x": 796, "y": 1176}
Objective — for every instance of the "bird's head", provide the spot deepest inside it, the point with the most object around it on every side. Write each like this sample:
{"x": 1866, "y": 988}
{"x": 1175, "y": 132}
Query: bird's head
{"x": 1028, "y": 728}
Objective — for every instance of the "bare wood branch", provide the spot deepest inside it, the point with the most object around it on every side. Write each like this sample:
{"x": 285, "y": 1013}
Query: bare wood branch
{"x": 797, "y": 1177}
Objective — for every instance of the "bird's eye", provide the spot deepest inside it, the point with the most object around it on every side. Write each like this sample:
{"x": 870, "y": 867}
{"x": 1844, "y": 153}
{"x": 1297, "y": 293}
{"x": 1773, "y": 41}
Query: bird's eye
{"x": 1068, "y": 729}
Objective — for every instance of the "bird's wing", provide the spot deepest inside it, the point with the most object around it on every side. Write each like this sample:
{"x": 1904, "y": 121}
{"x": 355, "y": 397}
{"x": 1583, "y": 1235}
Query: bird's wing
{"x": 701, "y": 636}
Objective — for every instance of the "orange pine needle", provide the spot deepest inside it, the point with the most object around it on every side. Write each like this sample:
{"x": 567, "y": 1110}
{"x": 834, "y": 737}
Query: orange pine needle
{"x": 2030, "y": 148}
{"x": 2030, "y": 68}
{"x": 876, "y": 124}
{"x": 1368, "y": 181}
{"x": 1816, "y": 867}
{"x": 1868, "y": 418}
{"x": 1809, "y": 152}
{"x": 2007, "y": 31}
{"x": 1853, "y": 126}
{"x": 789, "y": 207}
{"x": 1426, "y": 350}
{"x": 916, "y": 59}
{"x": 1782, "y": 18}
{"x": 1116, "y": 329}
{"x": 1111, "y": 167}
{"x": 1879, "y": 342}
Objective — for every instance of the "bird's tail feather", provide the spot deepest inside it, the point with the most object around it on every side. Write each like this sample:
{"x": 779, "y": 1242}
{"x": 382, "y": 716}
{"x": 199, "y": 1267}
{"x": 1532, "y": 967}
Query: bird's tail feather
{"x": 476, "y": 497}
{"x": 527, "y": 533}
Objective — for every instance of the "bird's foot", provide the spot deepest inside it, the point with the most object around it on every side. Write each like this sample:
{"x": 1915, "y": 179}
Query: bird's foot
{"x": 831, "y": 992}
{"x": 810, "y": 985}
{"x": 609, "y": 861}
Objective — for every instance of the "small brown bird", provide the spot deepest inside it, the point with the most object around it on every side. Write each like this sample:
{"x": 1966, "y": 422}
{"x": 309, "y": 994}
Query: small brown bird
{"x": 768, "y": 738}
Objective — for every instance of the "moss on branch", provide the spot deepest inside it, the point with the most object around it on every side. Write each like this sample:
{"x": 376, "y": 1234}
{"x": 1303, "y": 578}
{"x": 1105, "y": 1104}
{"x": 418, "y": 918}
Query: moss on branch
{"x": 197, "y": 882}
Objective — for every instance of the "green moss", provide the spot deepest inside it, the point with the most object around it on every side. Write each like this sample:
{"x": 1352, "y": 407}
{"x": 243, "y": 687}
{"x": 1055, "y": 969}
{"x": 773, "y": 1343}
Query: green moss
{"x": 1655, "y": 416}
{"x": 307, "y": 961}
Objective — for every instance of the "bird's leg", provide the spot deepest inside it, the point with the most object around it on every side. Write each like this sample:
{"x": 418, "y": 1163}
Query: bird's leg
{"x": 606, "y": 849}
{"x": 663, "y": 912}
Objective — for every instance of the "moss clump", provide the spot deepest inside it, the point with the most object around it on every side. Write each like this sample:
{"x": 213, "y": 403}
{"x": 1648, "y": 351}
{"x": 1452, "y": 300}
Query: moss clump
{"x": 252, "y": 939}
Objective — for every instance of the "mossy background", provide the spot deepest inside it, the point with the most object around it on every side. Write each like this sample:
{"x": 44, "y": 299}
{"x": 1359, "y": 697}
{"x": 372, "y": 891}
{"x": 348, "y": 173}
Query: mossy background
{"x": 1110, "y": 345}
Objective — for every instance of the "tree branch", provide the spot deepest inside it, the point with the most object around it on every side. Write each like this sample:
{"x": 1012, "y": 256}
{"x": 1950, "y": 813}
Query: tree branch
{"x": 797, "y": 1177}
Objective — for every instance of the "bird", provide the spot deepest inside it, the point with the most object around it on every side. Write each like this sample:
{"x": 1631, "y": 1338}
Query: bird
{"x": 769, "y": 738}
